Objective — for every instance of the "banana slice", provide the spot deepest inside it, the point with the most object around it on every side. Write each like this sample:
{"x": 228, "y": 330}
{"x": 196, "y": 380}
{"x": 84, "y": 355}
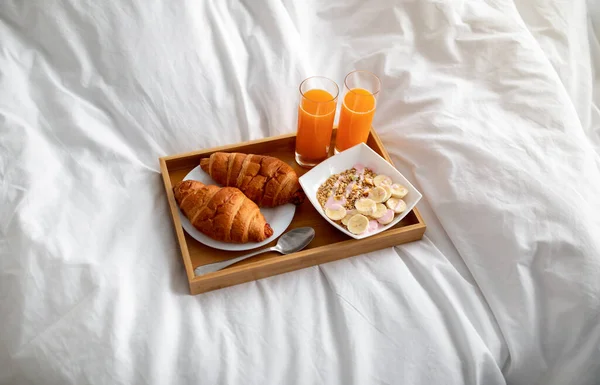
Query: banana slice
{"x": 382, "y": 180}
{"x": 398, "y": 205}
{"x": 349, "y": 214}
{"x": 379, "y": 211}
{"x": 398, "y": 191}
{"x": 377, "y": 194}
{"x": 335, "y": 212}
{"x": 388, "y": 193}
{"x": 365, "y": 206}
{"x": 358, "y": 224}
{"x": 387, "y": 217}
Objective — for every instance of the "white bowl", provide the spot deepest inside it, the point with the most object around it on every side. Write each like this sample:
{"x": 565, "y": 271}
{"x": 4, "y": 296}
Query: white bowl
{"x": 359, "y": 154}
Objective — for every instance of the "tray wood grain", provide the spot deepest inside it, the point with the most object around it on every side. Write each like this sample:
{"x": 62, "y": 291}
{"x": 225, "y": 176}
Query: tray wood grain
{"x": 329, "y": 244}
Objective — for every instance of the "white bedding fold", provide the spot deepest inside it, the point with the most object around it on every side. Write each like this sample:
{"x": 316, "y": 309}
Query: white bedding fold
{"x": 487, "y": 106}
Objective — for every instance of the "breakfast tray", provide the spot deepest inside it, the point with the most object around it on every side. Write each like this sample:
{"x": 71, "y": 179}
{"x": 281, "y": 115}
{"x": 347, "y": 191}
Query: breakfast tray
{"x": 328, "y": 245}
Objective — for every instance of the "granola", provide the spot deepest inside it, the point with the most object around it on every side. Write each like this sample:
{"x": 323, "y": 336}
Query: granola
{"x": 361, "y": 200}
{"x": 347, "y": 186}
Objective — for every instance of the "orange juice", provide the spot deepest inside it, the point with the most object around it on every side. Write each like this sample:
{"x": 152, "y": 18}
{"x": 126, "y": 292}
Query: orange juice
{"x": 356, "y": 117}
{"x": 315, "y": 123}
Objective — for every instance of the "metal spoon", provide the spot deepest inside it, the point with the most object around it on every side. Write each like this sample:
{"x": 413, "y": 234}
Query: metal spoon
{"x": 290, "y": 242}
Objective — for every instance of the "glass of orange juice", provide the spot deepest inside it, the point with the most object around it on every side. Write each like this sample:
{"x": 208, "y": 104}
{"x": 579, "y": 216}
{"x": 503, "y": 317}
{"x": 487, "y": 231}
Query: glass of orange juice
{"x": 361, "y": 89}
{"x": 316, "y": 112}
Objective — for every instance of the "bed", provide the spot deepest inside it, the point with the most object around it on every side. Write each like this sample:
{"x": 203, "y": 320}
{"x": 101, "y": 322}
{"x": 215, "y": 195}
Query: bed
{"x": 490, "y": 108}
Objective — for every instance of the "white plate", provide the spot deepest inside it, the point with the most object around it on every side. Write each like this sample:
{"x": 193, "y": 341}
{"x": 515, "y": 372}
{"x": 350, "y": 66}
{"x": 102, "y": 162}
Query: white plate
{"x": 359, "y": 154}
{"x": 278, "y": 217}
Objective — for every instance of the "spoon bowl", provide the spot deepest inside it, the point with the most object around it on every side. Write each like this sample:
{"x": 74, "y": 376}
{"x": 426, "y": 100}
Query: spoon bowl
{"x": 295, "y": 240}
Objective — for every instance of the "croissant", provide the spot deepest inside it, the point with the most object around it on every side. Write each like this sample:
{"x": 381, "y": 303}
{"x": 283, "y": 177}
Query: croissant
{"x": 222, "y": 213}
{"x": 266, "y": 180}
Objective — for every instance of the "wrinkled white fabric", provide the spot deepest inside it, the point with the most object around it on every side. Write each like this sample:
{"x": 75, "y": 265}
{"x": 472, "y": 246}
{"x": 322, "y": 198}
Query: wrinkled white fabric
{"x": 489, "y": 107}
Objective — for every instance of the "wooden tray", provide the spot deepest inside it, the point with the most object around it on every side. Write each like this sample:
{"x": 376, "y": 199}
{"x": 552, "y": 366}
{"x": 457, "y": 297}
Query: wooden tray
{"x": 329, "y": 244}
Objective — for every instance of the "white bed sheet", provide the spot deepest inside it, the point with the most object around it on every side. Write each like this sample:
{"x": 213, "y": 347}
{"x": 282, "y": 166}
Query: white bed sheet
{"x": 487, "y": 106}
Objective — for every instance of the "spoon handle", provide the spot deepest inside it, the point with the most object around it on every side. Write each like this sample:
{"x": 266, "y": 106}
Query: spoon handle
{"x": 212, "y": 267}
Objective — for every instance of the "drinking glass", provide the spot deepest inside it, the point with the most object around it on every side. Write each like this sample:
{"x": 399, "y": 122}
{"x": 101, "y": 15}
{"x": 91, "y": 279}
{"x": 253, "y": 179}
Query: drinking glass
{"x": 361, "y": 89}
{"x": 316, "y": 112}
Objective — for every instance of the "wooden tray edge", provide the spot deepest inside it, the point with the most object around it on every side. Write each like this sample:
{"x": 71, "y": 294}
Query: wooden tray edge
{"x": 386, "y": 156}
{"x": 403, "y": 231}
{"x": 266, "y": 268}
{"x": 187, "y": 260}
{"x": 224, "y": 147}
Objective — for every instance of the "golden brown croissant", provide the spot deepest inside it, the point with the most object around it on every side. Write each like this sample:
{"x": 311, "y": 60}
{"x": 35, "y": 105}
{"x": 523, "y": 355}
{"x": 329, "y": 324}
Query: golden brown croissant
{"x": 266, "y": 180}
{"x": 222, "y": 213}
